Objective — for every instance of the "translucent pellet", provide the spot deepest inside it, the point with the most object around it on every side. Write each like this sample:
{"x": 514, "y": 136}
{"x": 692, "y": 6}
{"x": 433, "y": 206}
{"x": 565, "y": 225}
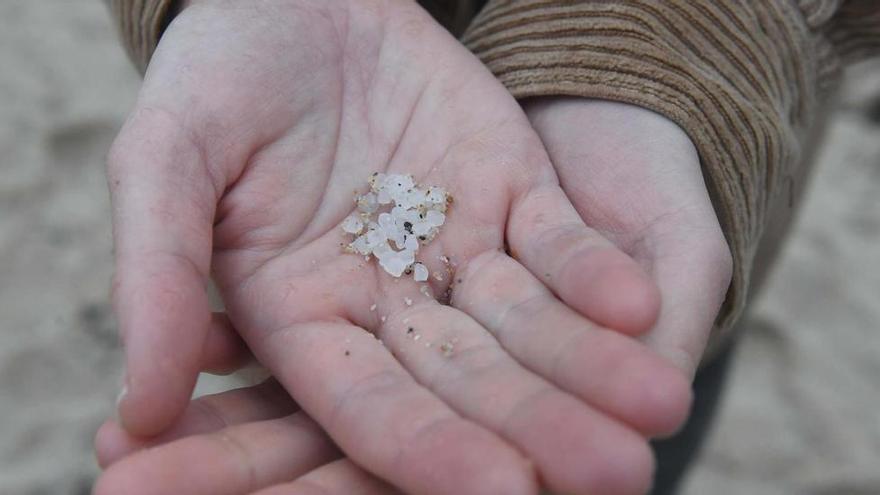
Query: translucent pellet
{"x": 394, "y": 219}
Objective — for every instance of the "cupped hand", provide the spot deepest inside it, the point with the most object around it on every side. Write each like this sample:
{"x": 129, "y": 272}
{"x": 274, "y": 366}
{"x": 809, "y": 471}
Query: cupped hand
{"x": 635, "y": 176}
{"x": 256, "y": 123}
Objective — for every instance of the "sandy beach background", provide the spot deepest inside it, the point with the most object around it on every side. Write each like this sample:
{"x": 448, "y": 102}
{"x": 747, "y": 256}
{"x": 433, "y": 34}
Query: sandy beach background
{"x": 802, "y": 415}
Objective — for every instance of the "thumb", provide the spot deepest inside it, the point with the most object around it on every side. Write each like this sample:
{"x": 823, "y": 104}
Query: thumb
{"x": 163, "y": 203}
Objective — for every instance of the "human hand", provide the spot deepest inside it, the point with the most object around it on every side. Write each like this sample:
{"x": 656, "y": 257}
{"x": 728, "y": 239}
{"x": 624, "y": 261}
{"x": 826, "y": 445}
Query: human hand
{"x": 245, "y": 440}
{"x": 635, "y": 176}
{"x": 255, "y": 124}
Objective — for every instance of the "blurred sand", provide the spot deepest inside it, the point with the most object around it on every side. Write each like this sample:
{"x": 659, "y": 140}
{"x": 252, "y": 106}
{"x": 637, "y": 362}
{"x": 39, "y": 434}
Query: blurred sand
{"x": 802, "y": 412}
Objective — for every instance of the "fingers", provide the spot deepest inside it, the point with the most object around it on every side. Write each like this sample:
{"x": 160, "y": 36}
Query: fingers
{"x": 340, "y": 477}
{"x": 649, "y": 195}
{"x": 457, "y": 359}
{"x": 224, "y": 351}
{"x": 584, "y": 269}
{"x": 612, "y": 372}
{"x": 235, "y": 460}
{"x": 163, "y": 203}
{"x": 385, "y": 421}
{"x": 691, "y": 303}
{"x": 267, "y": 400}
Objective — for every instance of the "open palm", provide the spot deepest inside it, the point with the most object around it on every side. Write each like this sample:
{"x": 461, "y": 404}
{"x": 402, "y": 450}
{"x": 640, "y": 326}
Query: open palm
{"x": 256, "y": 124}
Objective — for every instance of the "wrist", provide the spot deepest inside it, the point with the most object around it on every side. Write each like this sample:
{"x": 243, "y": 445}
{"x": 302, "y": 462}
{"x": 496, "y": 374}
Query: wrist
{"x": 620, "y": 122}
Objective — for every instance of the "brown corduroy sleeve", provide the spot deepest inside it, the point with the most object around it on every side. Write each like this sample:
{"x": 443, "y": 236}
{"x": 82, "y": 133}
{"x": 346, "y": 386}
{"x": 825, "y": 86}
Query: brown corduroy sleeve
{"x": 744, "y": 79}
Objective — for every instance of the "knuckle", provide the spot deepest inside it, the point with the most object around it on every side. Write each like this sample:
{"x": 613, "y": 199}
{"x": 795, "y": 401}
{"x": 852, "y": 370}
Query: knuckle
{"x": 149, "y": 132}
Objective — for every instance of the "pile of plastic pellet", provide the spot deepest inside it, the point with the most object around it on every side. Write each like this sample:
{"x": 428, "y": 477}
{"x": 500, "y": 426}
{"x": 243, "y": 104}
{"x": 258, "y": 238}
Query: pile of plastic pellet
{"x": 394, "y": 219}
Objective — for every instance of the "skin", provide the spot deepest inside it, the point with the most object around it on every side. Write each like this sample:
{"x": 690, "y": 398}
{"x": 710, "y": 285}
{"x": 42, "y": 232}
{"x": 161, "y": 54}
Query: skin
{"x": 685, "y": 210}
{"x": 635, "y": 177}
{"x": 250, "y": 440}
{"x": 255, "y": 124}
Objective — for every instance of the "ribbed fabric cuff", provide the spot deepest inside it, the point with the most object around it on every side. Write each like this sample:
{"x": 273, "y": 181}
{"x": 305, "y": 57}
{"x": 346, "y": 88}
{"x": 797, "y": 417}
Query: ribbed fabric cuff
{"x": 738, "y": 77}
{"x": 855, "y": 32}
